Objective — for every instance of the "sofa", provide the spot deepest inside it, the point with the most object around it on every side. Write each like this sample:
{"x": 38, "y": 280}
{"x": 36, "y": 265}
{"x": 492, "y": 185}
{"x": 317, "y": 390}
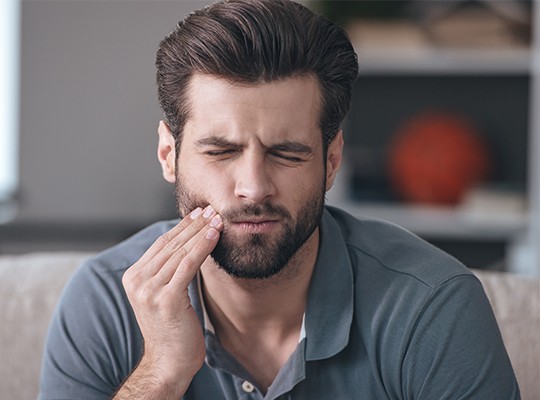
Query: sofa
{"x": 30, "y": 286}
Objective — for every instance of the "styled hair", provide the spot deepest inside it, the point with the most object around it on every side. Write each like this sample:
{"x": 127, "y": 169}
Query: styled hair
{"x": 257, "y": 41}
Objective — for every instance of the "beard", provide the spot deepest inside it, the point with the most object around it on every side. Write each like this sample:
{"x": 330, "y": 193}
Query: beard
{"x": 258, "y": 256}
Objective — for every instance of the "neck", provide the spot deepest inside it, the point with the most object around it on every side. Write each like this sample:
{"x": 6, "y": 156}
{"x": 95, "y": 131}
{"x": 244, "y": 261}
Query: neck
{"x": 248, "y": 306}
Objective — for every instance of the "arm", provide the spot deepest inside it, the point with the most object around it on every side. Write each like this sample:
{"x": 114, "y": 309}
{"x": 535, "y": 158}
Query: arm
{"x": 157, "y": 288}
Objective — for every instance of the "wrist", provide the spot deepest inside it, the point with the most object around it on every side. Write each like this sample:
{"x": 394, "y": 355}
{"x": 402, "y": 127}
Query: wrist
{"x": 154, "y": 381}
{"x": 167, "y": 373}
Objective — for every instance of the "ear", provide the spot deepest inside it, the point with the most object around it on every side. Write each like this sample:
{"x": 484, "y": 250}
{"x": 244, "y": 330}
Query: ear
{"x": 166, "y": 152}
{"x": 334, "y": 158}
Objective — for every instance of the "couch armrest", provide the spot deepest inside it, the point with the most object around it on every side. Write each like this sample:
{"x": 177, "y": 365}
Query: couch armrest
{"x": 516, "y": 304}
{"x": 30, "y": 286}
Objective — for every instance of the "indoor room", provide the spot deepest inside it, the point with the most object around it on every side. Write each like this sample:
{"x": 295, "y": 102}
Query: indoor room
{"x": 442, "y": 140}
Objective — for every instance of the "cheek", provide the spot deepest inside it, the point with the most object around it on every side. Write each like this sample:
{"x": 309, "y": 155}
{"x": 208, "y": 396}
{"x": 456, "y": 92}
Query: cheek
{"x": 203, "y": 184}
{"x": 300, "y": 188}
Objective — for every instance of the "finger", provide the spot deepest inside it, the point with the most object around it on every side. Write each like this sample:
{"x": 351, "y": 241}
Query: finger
{"x": 170, "y": 235}
{"x": 174, "y": 262}
{"x": 170, "y": 242}
{"x": 176, "y": 244}
{"x": 191, "y": 263}
{"x": 165, "y": 238}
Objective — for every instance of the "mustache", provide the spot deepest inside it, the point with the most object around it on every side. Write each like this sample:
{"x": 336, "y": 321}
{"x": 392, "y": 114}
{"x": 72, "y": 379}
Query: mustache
{"x": 187, "y": 202}
{"x": 266, "y": 210}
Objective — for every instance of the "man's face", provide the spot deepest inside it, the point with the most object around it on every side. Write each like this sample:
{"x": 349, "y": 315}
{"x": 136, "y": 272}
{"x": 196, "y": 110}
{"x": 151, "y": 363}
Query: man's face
{"x": 255, "y": 154}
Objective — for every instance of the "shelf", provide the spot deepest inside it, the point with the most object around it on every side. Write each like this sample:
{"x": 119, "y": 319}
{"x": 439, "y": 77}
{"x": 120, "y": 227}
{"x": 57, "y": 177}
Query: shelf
{"x": 444, "y": 223}
{"x": 431, "y": 61}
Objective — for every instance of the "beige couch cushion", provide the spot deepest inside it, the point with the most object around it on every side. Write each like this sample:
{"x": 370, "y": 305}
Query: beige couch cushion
{"x": 30, "y": 286}
{"x": 516, "y": 304}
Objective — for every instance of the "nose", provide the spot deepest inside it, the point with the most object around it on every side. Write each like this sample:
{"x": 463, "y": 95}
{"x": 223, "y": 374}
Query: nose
{"x": 254, "y": 179}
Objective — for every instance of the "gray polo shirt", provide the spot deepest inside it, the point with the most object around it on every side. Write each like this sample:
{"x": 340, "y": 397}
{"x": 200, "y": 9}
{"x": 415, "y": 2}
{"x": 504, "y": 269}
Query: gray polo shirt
{"x": 388, "y": 317}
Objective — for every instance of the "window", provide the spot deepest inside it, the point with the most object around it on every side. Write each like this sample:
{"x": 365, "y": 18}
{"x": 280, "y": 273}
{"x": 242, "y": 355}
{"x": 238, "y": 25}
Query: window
{"x": 9, "y": 101}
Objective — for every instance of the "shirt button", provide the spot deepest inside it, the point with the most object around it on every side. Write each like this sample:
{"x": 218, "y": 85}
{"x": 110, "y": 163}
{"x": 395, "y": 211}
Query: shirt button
{"x": 248, "y": 387}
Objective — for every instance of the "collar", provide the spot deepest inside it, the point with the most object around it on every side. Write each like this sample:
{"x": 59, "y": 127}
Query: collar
{"x": 207, "y": 324}
{"x": 330, "y": 302}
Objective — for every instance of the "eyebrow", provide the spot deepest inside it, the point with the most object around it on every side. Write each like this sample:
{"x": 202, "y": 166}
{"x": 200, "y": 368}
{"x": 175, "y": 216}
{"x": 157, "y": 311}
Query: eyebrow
{"x": 287, "y": 146}
{"x": 293, "y": 147}
{"x": 216, "y": 141}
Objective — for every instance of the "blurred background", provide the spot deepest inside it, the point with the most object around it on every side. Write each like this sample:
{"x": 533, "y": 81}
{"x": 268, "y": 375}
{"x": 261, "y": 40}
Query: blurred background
{"x": 442, "y": 138}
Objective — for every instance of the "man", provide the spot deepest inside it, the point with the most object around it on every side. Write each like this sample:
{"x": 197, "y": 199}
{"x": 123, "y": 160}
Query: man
{"x": 261, "y": 291}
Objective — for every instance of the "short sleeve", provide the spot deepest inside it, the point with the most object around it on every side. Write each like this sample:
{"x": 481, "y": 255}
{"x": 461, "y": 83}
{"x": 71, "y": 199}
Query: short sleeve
{"x": 456, "y": 350}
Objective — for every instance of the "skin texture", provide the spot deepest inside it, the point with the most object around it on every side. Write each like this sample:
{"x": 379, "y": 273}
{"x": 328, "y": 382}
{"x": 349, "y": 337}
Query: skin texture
{"x": 255, "y": 155}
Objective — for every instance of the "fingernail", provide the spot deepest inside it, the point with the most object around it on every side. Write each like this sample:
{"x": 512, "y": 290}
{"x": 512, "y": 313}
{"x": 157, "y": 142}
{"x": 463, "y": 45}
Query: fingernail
{"x": 208, "y": 212}
{"x": 215, "y": 221}
{"x": 211, "y": 234}
{"x": 195, "y": 213}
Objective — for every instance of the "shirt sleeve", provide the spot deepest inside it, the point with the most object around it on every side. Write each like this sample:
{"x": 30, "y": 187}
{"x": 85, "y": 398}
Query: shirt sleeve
{"x": 456, "y": 350}
{"x": 93, "y": 341}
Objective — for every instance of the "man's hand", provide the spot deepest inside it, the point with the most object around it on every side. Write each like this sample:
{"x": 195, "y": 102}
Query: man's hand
{"x": 157, "y": 288}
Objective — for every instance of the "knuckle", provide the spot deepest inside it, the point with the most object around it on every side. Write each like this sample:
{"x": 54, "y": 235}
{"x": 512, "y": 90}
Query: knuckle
{"x": 203, "y": 246}
{"x": 162, "y": 301}
{"x": 197, "y": 225}
{"x": 187, "y": 262}
{"x": 183, "y": 224}
{"x": 129, "y": 279}
{"x": 176, "y": 246}
{"x": 201, "y": 222}
{"x": 145, "y": 295}
{"x": 165, "y": 238}
{"x": 178, "y": 249}
{"x": 126, "y": 278}
{"x": 168, "y": 236}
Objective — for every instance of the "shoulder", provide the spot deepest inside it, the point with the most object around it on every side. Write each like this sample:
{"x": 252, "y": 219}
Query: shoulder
{"x": 398, "y": 278}
{"x": 381, "y": 249}
{"x": 97, "y": 284}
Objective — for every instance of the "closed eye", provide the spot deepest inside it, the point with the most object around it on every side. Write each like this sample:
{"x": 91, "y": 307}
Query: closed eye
{"x": 294, "y": 152}
{"x": 217, "y": 153}
{"x": 215, "y": 147}
{"x": 288, "y": 157}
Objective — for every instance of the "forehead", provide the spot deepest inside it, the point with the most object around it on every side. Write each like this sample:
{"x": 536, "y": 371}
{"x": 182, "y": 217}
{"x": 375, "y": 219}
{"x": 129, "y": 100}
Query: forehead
{"x": 285, "y": 107}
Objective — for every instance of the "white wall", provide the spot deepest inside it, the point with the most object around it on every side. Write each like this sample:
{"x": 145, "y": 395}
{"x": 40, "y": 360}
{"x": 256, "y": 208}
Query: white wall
{"x": 89, "y": 111}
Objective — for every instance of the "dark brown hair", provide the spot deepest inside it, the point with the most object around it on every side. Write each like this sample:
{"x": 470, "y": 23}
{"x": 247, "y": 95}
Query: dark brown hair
{"x": 255, "y": 41}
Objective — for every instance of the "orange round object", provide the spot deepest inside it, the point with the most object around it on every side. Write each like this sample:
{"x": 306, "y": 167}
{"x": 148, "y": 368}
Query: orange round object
{"x": 437, "y": 157}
